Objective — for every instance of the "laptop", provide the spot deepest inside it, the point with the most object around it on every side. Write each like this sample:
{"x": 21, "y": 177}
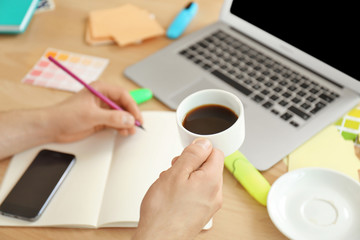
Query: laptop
{"x": 293, "y": 67}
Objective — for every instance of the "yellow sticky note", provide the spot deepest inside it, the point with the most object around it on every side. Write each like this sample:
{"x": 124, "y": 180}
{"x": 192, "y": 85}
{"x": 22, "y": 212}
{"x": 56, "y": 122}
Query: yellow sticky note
{"x": 355, "y": 113}
{"x": 327, "y": 149}
{"x": 351, "y": 124}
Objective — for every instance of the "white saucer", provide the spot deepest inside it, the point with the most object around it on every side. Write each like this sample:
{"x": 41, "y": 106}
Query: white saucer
{"x": 315, "y": 203}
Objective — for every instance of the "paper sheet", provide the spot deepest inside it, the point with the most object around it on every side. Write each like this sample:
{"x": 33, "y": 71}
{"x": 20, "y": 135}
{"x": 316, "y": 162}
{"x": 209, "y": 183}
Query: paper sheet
{"x": 46, "y": 74}
{"x": 327, "y": 149}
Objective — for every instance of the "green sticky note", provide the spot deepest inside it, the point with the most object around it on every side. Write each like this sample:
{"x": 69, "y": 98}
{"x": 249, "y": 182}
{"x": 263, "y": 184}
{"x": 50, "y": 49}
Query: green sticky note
{"x": 348, "y": 135}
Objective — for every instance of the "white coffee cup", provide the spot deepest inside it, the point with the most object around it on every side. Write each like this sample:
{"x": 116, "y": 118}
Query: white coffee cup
{"x": 228, "y": 140}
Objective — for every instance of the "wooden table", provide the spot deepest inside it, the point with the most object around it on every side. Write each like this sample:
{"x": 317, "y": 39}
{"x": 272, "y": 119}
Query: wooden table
{"x": 241, "y": 217}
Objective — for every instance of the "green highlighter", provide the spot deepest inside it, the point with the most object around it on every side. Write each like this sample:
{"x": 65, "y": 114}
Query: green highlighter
{"x": 141, "y": 95}
{"x": 249, "y": 177}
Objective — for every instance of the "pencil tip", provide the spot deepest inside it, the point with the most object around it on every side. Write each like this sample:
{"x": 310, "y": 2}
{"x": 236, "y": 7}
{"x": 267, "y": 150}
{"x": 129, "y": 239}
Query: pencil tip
{"x": 140, "y": 126}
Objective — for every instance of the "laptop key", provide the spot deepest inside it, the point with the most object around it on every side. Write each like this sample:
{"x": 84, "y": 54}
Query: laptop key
{"x": 311, "y": 99}
{"x": 276, "y": 112}
{"x": 304, "y": 85}
{"x": 277, "y": 89}
{"x": 286, "y": 94}
{"x": 292, "y": 88}
{"x": 274, "y": 97}
{"x": 206, "y": 66}
{"x": 267, "y": 105}
{"x": 234, "y": 84}
{"x": 258, "y": 98}
{"x": 314, "y": 90}
{"x": 305, "y": 106}
{"x": 295, "y": 124}
{"x": 286, "y": 116}
{"x": 202, "y": 44}
{"x": 265, "y": 92}
{"x": 298, "y": 112}
{"x": 318, "y": 107}
{"x": 326, "y": 97}
{"x": 283, "y": 103}
{"x": 296, "y": 100}
{"x": 197, "y": 60}
{"x": 190, "y": 56}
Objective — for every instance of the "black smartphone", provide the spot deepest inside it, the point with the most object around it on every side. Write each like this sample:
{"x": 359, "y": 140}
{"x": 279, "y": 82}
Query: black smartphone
{"x": 34, "y": 190}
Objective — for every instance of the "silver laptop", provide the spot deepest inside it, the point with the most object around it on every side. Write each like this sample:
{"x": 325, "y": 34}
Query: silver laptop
{"x": 295, "y": 68}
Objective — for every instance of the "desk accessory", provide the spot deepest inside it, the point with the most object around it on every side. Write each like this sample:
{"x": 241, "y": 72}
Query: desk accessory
{"x": 330, "y": 149}
{"x": 91, "y": 89}
{"x": 44, "y": 74}
{"x": 249, "y": 177}
{"x": 326, "y": 149}
{"x": 182, "y": 20}
{"x": 124, "y": 25}
{"x": 141, "y": 95}
{"x": 315, "y": 203}
{"x": 349, "y": 125}
{"x": 15, "y": 15}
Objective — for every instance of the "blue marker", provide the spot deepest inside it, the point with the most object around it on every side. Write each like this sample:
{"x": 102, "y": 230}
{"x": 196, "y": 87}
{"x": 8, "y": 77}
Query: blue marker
{"x": 182, "y": 20}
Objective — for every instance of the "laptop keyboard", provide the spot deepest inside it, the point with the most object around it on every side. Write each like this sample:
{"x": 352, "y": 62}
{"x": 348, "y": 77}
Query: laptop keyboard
{"x": 284, "y": 92}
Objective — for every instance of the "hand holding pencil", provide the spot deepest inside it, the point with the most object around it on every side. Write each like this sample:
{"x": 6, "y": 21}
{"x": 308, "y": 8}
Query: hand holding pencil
{"x": 92, "y": 90}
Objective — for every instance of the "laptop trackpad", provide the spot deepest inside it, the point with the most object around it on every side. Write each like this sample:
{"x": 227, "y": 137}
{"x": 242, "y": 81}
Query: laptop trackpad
{"x": 189, "y": 89}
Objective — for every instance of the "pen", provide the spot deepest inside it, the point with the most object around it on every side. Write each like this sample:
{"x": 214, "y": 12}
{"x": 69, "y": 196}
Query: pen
{"x": 182, "y": 20}
{"x": 91, "y": 89}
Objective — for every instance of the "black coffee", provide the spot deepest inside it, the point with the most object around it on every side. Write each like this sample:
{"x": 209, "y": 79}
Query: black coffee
{"x": 209, "y": 119}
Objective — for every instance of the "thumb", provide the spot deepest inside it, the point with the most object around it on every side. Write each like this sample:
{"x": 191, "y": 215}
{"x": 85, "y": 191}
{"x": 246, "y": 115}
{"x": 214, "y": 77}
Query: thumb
{"x": 193, "y": 156}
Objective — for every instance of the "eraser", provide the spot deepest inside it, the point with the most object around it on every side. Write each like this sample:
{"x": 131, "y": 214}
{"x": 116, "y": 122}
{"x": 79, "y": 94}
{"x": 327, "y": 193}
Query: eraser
{"x": 141, "y": 95}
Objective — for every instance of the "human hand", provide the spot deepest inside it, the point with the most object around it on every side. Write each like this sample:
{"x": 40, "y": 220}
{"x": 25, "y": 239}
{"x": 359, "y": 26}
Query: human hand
{"x": 83, "y": 114}
{"x": 185, "y": 197}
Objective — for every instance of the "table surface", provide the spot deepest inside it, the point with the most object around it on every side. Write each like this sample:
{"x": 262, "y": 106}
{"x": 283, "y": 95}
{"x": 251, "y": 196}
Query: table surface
{"x": 240, "y": 217}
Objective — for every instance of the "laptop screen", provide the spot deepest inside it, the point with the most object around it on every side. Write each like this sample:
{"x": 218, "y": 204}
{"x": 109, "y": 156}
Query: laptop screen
{"x": 328, "y": 32}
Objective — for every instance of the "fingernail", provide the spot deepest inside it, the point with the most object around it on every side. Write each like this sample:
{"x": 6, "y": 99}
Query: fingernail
{"x": 128, "y": 119}
{"x": 203, "y": 142}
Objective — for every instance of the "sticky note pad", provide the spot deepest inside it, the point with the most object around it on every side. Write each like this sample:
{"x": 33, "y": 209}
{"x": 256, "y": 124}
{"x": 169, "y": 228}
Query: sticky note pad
{"x": 349, "y": 125}
{"x": 125, "y": 24}
{"x": 96, "y": 41}
{"x": 326, "y": 149}
{"x": 46, "y": 74}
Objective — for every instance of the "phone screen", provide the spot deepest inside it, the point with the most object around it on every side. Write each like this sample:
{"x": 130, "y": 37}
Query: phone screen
{"x": 38, "y": 184}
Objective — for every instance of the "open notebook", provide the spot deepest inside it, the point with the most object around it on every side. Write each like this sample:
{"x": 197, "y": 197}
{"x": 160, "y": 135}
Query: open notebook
{"x": 111, "y": 175}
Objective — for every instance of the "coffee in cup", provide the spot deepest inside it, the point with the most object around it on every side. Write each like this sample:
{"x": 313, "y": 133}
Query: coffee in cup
{"x": 214, "y": 114}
